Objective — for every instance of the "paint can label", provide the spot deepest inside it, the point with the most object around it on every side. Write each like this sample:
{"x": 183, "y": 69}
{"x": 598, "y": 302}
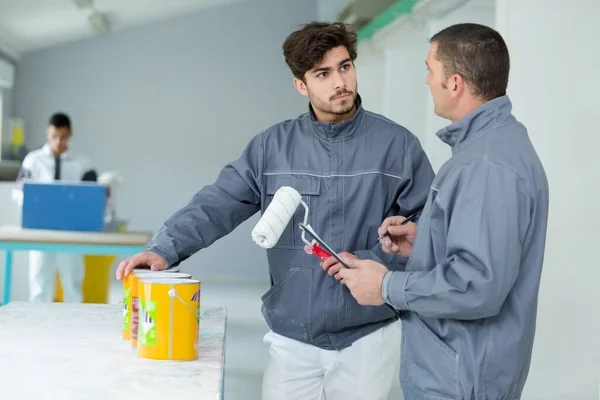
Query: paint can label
{"x": 135, "y": 308}
{"x": 196, "y": 299}
{"x": 126, "y": 310}
{"x": 147, "y": 322}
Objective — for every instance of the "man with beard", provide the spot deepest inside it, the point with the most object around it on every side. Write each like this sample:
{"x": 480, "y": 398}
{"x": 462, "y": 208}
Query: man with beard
{"x": 353, "y": 168}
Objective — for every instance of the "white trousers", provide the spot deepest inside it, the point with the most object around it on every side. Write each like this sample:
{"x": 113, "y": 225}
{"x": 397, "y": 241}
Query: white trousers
{"x": 363, "y": 371}
{"x": 42, "y": 272}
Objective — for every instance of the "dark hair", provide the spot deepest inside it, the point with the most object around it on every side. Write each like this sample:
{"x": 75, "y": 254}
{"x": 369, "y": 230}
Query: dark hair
{"x": 60, "y": 120}
{"x": 305, "y": 48}
{"x": 478, "y": 54}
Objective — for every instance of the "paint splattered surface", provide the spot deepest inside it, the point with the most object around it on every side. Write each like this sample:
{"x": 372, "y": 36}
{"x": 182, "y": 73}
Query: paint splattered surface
{"x": 75, "y": 351}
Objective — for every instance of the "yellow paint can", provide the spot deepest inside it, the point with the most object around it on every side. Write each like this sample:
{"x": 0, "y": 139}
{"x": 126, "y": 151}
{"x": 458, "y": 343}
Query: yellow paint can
{"x": 169, "y": 319}
{"x": 127, "y": 304}
{"x": 135, "y": 279}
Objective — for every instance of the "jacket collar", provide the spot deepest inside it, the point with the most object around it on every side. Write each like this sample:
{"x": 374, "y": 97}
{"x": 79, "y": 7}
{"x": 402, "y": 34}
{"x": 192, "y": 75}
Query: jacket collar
{"x": 467, "y": 129}
{"x": 339, "y": 130}
{"x": 48, "y": 151}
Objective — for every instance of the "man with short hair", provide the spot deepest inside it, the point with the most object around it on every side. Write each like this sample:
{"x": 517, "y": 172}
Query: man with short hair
{"x": 468, "y": 295}
{"x": 353, "y": 168}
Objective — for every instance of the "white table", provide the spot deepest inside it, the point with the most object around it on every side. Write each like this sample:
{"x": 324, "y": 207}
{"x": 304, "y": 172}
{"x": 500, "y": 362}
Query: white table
{"x": 63, "y": 351}
{"x": 15, "y": 238}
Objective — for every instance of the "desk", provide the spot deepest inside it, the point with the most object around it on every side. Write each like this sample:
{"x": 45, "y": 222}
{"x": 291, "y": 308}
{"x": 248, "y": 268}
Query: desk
{"x": 15, "y": 238}
{"x": 75, "y": 351}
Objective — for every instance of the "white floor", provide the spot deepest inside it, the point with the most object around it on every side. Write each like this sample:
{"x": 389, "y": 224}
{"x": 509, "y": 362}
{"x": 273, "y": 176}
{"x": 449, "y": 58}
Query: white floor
{"x": 246, "y": 353}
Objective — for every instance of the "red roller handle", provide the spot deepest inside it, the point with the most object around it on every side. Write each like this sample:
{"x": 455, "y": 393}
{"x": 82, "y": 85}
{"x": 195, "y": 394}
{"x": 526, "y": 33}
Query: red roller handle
{"x": 318, "y": 251}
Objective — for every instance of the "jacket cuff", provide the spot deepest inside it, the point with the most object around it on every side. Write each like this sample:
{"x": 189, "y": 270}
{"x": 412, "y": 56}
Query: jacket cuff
{"x": 165, "y": 253}
{"x": 394, "y": 287}
{"x": 385, "y": 288}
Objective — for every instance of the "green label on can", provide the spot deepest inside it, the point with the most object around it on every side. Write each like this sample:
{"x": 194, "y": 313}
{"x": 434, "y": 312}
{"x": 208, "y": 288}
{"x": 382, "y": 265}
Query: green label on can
{"x": 126, "y": 310}
{"x": 196, "y": 298}
{"x": 147, "y": 323}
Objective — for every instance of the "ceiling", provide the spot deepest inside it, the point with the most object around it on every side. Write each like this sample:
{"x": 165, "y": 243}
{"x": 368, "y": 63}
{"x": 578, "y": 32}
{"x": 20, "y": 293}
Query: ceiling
{"x": 27, "y": 25}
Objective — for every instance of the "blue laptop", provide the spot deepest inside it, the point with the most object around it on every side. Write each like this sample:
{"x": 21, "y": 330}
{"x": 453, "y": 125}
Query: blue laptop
{"x": 63, "y": 206}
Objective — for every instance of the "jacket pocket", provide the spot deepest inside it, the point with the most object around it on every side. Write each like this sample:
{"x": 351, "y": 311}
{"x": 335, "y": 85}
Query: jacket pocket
{"x": 428, "y": 364}
{"x": 309, "y": 188}
{"x": 357, "y": 315}
{"x": 287, "y": 305}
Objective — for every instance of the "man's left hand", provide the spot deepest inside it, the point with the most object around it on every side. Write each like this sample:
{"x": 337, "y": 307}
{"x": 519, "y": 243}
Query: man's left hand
{"x": 364, "y": 279}
{"x": 332, "y": 266}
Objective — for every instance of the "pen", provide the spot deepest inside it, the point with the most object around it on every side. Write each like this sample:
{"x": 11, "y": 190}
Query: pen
{"x": 408, "y": 219}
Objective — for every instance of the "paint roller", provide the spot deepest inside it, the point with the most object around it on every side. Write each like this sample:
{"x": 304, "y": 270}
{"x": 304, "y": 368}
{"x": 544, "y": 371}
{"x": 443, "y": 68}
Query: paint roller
{"x": 278, "y": 215}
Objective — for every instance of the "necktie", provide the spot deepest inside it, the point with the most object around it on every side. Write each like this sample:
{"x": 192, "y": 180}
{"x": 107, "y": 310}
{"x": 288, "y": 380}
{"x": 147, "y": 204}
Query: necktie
{"x": 57, "y": 168}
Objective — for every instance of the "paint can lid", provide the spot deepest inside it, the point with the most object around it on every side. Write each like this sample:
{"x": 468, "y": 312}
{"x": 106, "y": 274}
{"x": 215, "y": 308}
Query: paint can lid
{"x": 146, "y": 268}
{"x": 162, "y": 275}
{"x": 169, "y": 281}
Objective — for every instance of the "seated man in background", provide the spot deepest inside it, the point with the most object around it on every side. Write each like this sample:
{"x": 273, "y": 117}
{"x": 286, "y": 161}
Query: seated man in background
{"x": 53, "y": 163}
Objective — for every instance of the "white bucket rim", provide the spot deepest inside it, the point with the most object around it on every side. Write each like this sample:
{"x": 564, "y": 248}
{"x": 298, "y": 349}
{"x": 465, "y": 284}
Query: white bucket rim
{"x": 148, "y": 269}
{"x": 165, "y": 275}
{"x": 169, "y": 281}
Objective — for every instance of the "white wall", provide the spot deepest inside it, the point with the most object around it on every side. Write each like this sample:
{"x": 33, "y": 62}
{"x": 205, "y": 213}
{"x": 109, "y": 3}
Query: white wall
{"x": 168, "y": 105}
{"x": 405, "y": 92}
{"x": 398, "y": 56}
{"x": 7, "y": 75}
{"x": 327, "y": 10}
{"x": 386, "y": 77}
{"x": 554, "y": 87}
{"x": 370, "y": 71}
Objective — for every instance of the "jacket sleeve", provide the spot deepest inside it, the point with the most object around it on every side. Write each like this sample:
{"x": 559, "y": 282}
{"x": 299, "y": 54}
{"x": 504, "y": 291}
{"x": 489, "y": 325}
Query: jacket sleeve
{"x": 417, "y": 177}
{"x": 27, "y": 169}
{"x": 89, "y": 176}
{"x": 215, "y": 210}
{"x": 485, "y": 211}
{"x": 89, "y": 173}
